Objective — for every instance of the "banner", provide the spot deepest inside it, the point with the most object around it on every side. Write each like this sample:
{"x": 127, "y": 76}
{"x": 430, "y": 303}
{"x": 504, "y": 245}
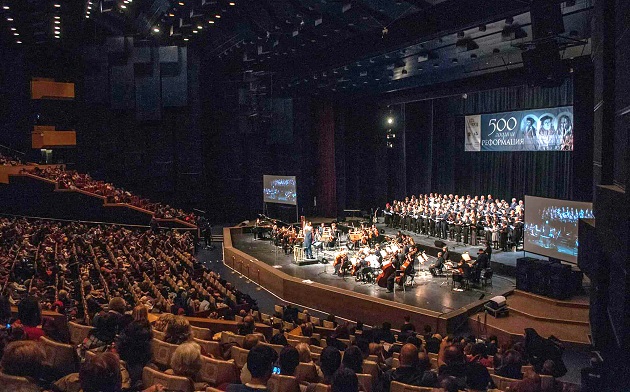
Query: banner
{"x": 549, "y": 129}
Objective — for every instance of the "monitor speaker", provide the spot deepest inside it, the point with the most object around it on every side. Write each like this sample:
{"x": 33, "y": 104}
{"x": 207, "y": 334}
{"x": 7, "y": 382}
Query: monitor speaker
{"x": 439, "y": 244}
{"x": 546, "y": 17}
{"x": 543, "y": 65}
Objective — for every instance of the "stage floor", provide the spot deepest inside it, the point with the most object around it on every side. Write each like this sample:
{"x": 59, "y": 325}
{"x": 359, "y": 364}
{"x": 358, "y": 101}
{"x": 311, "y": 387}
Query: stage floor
{"x": 428, "y": 293}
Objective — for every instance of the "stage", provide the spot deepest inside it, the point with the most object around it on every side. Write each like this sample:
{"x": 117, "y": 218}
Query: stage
{"x": 430, "y": 293}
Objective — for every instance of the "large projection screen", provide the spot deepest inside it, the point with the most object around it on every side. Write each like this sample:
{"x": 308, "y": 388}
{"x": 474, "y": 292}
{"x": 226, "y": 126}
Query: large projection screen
{"x": 279, "y": 189}
{"x": 551, "y": 226}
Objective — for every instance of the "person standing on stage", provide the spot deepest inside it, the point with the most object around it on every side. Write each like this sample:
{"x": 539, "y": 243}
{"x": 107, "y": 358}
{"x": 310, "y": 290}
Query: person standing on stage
{"x": 308, "y": 240}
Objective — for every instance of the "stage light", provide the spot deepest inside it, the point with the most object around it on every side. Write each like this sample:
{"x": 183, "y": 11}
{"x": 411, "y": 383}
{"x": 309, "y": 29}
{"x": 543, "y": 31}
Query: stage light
{"x": 10, "y": 19}
{"x": 57, "y": 5}
{"x": 57, "y": 27}
{"x": 211, "y": 21}
{"x": 218, "y": 16}
{"x": 123, "y": 6}
{"x": 194, "y": 31}
{"x": 13, "y": 29}
{"x": 185, "y": 39}
{"x": 232, "y": 3}
{"x": 181, "y": 3}
{"x": 16, "y": 34}
{"x": 5, "y": 7}
{"x": 57, "y": 17}
{"x": 57, "y": 22}
{"x": 390, "y": 120}
{"x": 18, "y": 42}
{"x": 199, "y": 27}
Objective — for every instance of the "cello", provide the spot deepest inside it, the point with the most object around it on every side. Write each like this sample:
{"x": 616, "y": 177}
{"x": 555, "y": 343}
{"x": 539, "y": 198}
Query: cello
{"x": 387, "y": 270}
{"x": 405, "y": 265}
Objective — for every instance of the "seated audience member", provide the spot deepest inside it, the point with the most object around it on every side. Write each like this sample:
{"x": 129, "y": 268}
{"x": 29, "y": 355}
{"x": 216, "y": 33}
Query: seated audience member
{"x": 279, "y": 339}
{"x": 344, "y": 380}
{"x": 511, "y": 365}
{"x": 305, "y": 353}
{"x": 250, "y": 341}
{"x": 407, "y": 326}
{"x": 30, "y": 318}
{"x": 134, "y": 348}
{"x": 384, "y": 333}
{"x": 414, "y": 369}
{"x": 433, "y": 343}
{"x": 471, "y": 375}
{"x": 24, "y": 359}
{"x": 353, "y": 359}
{"x": 178, "y": 331}
{"x": 116, "y": 309}
{"x": 163, "y": 321}
{"x": 288, "y": 360}
{"x": 247, "y": 326}
{"x": 260, "y": 362}
{"x": 103, "y": 334}
{"x": 186, "y": 362}
{"x": 478, "y": 354}
{"x": 140, "y": 313}
{"x": 329, "y": 362}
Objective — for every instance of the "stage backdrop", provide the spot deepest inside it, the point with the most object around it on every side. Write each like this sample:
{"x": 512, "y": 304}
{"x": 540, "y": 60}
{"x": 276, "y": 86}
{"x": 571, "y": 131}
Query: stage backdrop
{"x": 547, "y": 129}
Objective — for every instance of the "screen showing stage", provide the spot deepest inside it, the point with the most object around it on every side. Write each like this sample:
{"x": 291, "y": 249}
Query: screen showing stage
{"x": 279, "y": 189}
{"x": 551, "y": 226}
{"x": 549, "y": 129}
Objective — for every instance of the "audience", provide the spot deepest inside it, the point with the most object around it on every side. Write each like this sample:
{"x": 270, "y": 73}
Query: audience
{"x": 178, "y": 331}
{"x": 414, "y": 369}
{"x": 288, "y": 360}
{"x": 329, "y": 362}
{"x": 30, "y": 318}
{"x": 260, "y": 362}
{"x": 186, "y": 362}
{"x": 24, "y": 359}
{"x": 344, "y": 380}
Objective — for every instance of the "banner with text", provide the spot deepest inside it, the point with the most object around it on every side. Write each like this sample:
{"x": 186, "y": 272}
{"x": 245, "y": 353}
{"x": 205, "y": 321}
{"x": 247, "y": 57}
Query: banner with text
{"x": 549, "y": 129}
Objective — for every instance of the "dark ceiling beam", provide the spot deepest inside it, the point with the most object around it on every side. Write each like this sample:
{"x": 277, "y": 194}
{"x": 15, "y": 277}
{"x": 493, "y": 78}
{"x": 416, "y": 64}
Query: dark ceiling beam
{"x": 428, "y": 24}
{"x": 380, "y": 17}
{"x": 419, "y": 3}
{"x": 325, "y": 15}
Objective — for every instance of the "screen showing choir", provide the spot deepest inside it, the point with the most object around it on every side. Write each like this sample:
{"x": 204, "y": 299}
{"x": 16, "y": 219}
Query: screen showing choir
{"x": 279, "y": 189}
{"x": 551, "y": 226}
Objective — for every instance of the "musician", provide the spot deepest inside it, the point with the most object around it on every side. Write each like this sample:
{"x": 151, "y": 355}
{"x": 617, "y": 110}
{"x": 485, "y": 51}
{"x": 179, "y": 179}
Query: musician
{"x": 308, "y": 240}
{"x": 398, "y": 264}
{"x": 438, "y": 266}
{"x": 445, "y": 253}
{"x": 341, "y": 263}
{"x": 461, "y": 272}
{"x": 479, "y": 265}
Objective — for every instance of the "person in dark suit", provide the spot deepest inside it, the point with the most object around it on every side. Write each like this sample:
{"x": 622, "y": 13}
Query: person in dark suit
{"x": 414, "y": 369}
{"x": 482, "y": 262}
{"x": 439, "y": 264}
{"x": 445, "y": 253}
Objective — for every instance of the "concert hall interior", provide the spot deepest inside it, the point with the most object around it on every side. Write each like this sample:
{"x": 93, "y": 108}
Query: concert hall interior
{"x": 197, "y": 187}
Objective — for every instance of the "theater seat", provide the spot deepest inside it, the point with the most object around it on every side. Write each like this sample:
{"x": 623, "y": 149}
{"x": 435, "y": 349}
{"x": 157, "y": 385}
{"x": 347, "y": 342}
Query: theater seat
{"x": 400, "y": 387}
{"x": 173, "y": 383}
{"x": 276, "y": 347}
{"x": 15, "y": 383}
{"x": 370, "y": 367}
{"x": 365, "y": 381}
{"x": 278, "y": 383}
{"x": 239, "y": 355}
{"x": 503, "y": 383}
{"x": 61, "y": 357}
{"x": 229, "y": 337}
{"x": 217, "y": 372}
{"x": 306, "y": 372}
{"x": 162, "y": 352}
{"x": 201, "y": 333}
{"x": 210, "y": 347}
{"x": 78, "y": 332}
{"x": 159, "y": 335}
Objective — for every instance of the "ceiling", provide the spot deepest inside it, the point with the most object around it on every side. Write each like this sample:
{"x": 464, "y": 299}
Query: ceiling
{"x": 310, "y": 46}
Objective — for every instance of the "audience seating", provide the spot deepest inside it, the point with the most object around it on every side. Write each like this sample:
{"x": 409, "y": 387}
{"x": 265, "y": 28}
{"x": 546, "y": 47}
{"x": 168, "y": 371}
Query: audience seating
{"x": 162, "y": 352}
{"x": 239, "y": 355}
{"x": 228, "y": 337}
{"x": 15, "y": 383}
{"x": 276, "y": 347}
{"x": 201, "y": 333}
{"x": 370, "y": 367}
{"x": 328, "y": 324}
{"x": 278, "y": 383}
{"x": 503, "y": 383}
{"x": 60, "y": 357}
{"x": 217, "y": 372}
{"x": 365, "y": 380}
{"x": 78, "y": 332}
{"x": 174, "y": 383}
{"x": 400, "y": 387}
{"x": 211, "y": 389}
{"x": 210, "y": 347}
{"x": 306, "y": 372}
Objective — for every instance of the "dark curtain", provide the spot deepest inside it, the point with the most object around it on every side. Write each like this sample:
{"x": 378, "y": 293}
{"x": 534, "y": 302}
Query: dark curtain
{"x": 435, "y": 133}
{"x": 324, "y": 125}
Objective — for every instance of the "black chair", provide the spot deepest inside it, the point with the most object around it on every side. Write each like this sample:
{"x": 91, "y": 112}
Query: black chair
{"x": 486, "y": 277}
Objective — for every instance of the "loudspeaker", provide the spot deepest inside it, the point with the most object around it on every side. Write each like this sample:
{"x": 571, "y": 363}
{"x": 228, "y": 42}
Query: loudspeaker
{"x": 439, "y": 244}
{"x": 543, "y": 65}
{"x": 546, "y": 17}
{"x": 524, "y": 267}
{"x": 497, "y": 302}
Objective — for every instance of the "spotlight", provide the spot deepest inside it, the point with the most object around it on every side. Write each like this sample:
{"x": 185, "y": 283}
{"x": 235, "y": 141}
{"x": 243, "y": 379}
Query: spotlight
{"x": 390, "y": 120}
{"x": 18, "y": 42}
{"x": 181, "y": 3}
{"x": 218, "y": 16}
{"x": 5, "y": 7}
{"x": 57, "y": 17}
{"x": 57, "y": 5}
{"x": 13, "y": 29}
{"x": 123, "y": 6}
{"x": 211, "y": 21}
{"x": 10, "y": 19}
{"x": 232, "y": 3}
{"x": 156, "y": 29}
{"x": 199, "y": 27}
{"x": 194, "y": 31}
{"x": 57, "y": 22}
{"x": 185, "y": 39}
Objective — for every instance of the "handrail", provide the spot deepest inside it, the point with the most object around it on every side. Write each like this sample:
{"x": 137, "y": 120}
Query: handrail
{"x": 13, "y": 150}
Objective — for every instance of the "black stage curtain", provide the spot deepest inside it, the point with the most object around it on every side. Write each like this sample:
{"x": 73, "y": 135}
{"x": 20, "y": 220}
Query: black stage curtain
{"x": 435, "y": 135}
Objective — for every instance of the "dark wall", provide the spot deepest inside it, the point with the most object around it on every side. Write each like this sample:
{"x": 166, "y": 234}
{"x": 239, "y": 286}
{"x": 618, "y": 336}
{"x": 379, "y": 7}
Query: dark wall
{"x": 607, "y": 251}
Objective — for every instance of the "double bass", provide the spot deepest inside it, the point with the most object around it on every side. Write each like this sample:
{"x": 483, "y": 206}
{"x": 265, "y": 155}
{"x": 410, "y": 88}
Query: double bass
{"x": 409, "y": 260}
{"x": 387, "y": 270}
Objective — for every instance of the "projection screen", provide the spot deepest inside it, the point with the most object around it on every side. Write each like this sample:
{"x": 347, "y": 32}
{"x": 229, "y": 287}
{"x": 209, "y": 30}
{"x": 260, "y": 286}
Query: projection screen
{"x": 551, "y": 226}
{"x": 279, "y": 189}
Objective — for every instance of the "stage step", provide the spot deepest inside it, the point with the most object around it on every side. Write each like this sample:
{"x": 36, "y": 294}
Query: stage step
{"x": 566, "y": 320}
{"x": 547, "y": 309}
